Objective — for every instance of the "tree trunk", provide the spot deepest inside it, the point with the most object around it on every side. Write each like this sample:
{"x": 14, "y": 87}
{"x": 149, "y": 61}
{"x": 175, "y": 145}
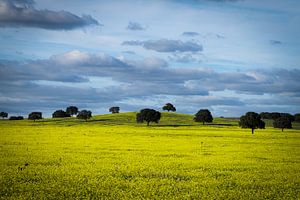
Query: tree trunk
{"x": 203, "y": 122}
{"x": 282, "y": 130}
{"x": 148, "y": 123}
{"x": 252, "y": 131}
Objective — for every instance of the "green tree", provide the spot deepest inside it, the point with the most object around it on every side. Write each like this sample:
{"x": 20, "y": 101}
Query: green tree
{"x": 3, "y": 115}
{"x": 35, "y": 115}
{"x": 288, "y": 115}
{"x": 203, "y": 115}
{"x": 251, "y": 120}
{"x": 60, "y": 114}
{"x": 84, "y": 114}
{"x": 282, "y": 122}
{"x": 72, "y": 110}
{"x": 297, "y": 117}
{"x": 148, "y": 115}
{"x": 114, "y": 109}
{"x": 169, "y": 107}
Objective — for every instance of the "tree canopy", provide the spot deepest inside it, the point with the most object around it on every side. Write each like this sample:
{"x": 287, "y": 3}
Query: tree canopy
{"x": 72, "y": 110}
{"x": 114, "y": 109}
{"x": 60, "y": 114}
{"x": 282, "y": 122}
{"x": 35, "y": 115}
{"x": 84, "y": 114}
{"x": 3, "y": 114}
{"x": 16, "y": 118}
{"x": 148, "y": 115}
{"x": 297, "y": 117}
{"x": 203, "y": 115}
{"x": 288, "y": 116}
{"x": 169, "y": 107}
{"x": 251, "y": 120}
{"x": 276, "y": 115}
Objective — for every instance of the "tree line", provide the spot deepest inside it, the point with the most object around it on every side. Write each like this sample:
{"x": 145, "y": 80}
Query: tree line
{"x": 250, "y": 120}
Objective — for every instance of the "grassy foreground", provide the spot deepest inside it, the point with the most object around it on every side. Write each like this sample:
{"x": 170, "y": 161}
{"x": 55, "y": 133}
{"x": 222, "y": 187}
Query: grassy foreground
{"x": 111, "y": 157}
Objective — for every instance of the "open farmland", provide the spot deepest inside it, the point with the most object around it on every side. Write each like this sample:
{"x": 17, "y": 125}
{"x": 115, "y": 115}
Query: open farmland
{"x": 112, "y": 157}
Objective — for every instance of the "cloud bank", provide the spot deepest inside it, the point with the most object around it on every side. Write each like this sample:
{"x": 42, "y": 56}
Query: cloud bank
{"x": 17, "y": 13}
{"x": 69, "y": 78}
{"x": 165, "y": 45}
{"x": 76, "y": 66}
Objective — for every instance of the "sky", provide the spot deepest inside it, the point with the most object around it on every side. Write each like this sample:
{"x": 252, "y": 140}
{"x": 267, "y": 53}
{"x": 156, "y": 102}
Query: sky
{"x": 228, "y": 56}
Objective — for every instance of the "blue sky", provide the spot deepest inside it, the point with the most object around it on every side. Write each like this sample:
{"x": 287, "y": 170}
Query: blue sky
{"x": 230, "y": 56}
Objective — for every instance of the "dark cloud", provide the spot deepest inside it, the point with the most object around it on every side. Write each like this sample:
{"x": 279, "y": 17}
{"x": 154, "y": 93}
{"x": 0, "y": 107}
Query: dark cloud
{"x": 190, "y": 34}
{"x": 69, "y": 67}
{"x": 165, "y": 45}
{"x": 134, "y": 26}
{"x": 18, "y": 13}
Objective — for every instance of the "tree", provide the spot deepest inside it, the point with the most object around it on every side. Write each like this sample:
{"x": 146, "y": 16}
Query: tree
{"x": 297, "y": 117}
{"x": 251, "y": 120}
{"x": 282, "y": 122}
{"x": 114, "y": 109}
{"x": 16, "y": 118}
{"x": 275, "y": 115}
{"x": 60, "y": 114}
{"x": 4, "y": 115}
{"x": 169, "y": 107}
{"x": 203, "y": 115}
{"x": 35, "y": 115}
{"x": 288, "y": 115}
{"x": 72, "y": 110}
{"x": 84, "y": 114}
{"x": 265, "y": 115}
{"x": 148, "y": 115}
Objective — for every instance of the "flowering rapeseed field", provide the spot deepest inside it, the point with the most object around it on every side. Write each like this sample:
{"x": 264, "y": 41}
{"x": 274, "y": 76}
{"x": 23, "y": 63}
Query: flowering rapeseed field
{"x": 112, "y": 157}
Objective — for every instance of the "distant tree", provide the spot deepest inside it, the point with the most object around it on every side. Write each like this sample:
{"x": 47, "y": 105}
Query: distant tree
{"x": 251, "y": 120}
{"x": 282, "y": 122}
{"x": 72, "y": 110}
{"x": 275, "y": 115}
{"x": 16, "y": 118}
{"x": 114, "y": 109}
{"x": 60, "y": 114}
{"x": 3, "y": 115}
{"x": 288, "y": 115}
{"x": 266, "y": 115}
{"x": 84, "y": 114}
{"x": 35, "y": 115}
{"x": 297, "y": 117}
{"x": 148, "y": 115}
{"x": 203, "y": 116}
{"x": 169, "y": 107}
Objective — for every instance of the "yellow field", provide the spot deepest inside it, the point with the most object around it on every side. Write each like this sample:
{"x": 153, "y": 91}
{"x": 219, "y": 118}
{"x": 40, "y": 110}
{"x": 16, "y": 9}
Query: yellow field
{"x": 110, "y": 157}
